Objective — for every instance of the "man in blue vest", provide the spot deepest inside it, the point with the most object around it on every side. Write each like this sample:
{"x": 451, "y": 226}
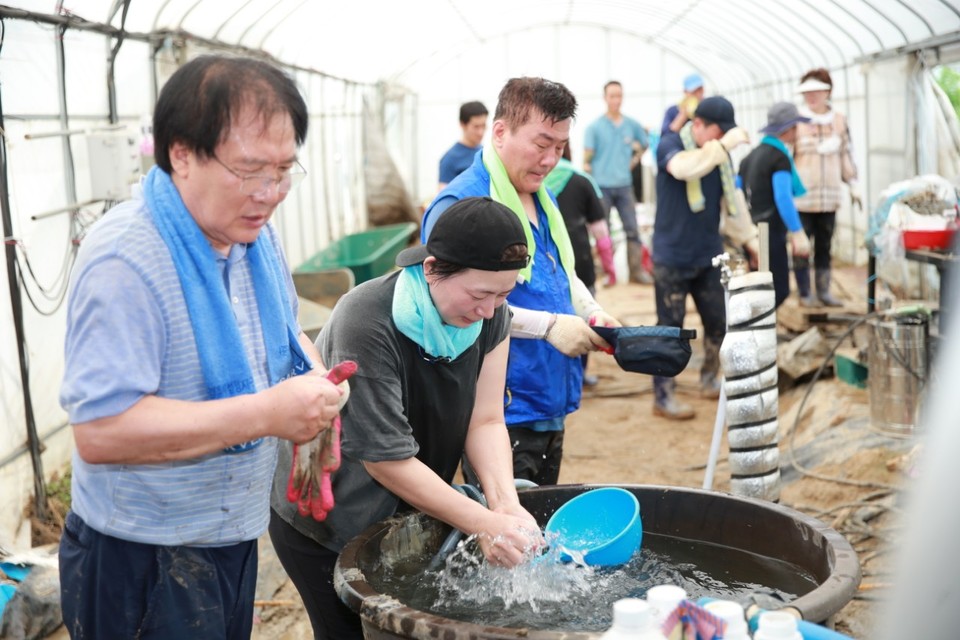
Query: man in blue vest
{"x": 552, "y": 309}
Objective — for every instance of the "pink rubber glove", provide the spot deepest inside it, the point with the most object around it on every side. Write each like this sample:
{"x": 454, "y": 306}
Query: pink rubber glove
{"x": 605, "y": 249}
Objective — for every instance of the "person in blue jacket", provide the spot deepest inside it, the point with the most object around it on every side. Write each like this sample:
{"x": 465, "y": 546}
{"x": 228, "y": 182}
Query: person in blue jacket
{"x": 770, "y": 182}
{"x": 552, "y": 309}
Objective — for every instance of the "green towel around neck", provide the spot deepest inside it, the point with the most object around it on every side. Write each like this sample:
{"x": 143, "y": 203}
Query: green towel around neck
{"x": 503, "y": 191}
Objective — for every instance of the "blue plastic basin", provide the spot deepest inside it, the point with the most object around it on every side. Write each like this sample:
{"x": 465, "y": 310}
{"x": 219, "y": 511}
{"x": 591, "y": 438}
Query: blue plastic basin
{"x": 603, "y": 524}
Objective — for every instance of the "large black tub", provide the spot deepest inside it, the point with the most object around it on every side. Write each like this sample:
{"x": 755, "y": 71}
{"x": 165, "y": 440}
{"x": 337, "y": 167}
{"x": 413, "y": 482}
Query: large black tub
{"x": 762, "y": 528}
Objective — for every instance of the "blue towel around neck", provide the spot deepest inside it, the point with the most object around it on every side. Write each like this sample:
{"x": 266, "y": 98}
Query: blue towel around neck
{"x": 417, "y": 318}
{"x": 222, "y": 356}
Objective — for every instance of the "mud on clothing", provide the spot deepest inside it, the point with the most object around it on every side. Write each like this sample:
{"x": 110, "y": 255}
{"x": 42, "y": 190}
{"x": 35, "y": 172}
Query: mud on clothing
{"x": 403, "y": 404}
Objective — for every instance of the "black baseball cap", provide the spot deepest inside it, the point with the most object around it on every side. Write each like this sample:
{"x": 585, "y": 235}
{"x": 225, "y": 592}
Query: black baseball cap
{"x": 718, "y": 110}
{"x": 472, "y": 233}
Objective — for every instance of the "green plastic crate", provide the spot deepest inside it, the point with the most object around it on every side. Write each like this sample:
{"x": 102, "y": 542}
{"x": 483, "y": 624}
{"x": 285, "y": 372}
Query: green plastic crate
{"x": 368, "y": 254}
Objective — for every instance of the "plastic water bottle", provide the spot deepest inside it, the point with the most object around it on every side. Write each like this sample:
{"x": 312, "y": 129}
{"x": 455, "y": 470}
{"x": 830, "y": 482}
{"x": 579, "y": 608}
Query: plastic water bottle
{"x": 633, "y": 620}
{"x": 664, "y": 598}
{"x": 777, "y": 625}
{"x": 731, "y": 613}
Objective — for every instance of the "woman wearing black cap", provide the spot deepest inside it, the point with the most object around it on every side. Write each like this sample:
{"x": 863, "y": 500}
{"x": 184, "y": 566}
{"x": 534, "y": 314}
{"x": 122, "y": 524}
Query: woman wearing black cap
{"x": 431, "y": 342}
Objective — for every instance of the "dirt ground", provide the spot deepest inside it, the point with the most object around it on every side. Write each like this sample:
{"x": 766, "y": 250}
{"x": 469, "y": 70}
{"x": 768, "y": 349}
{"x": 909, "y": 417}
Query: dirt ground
{"x": 847, "y": 473}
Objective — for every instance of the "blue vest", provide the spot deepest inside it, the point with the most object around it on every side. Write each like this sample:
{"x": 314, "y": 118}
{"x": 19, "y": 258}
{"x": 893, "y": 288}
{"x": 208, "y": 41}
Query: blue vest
{"x": 542, "y": 383}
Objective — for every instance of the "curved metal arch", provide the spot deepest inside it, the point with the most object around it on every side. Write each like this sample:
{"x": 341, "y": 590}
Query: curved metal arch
{"x": 160, "y": 10}
{"x": 860, "y": 22}
{"x": 709, "y": 36}
{"x": 786, "y": 34}
{"x": 186, "y": 14}
{"x": 671, "y": 48}
{"x": 952, "y": 7}
{"x": 216, "y": 34}
{"x": 278, "y": 23}
{"x": 825, "y": 38}
{"x": 921, "y": 18}
{"x": 732, "y": 22}
{"x": 891, "y": 21}
{"x": 818, "y": 11}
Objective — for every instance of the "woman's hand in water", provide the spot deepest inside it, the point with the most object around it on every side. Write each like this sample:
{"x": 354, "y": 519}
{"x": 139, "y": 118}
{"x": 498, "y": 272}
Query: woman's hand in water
{"x": 511, "y": 538}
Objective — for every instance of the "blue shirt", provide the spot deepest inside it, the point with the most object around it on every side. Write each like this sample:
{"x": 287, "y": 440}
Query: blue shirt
{"x": 612, "y": 146}
{"x": 128, "y": 336}
{"x": 455, "y": 160}
{"x": 681, "y": 238}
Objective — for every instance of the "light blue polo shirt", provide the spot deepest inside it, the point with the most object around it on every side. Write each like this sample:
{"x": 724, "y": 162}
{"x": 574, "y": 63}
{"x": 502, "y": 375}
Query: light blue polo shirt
{"x": 612, "y": 146}
{"x": 128, "y": 336}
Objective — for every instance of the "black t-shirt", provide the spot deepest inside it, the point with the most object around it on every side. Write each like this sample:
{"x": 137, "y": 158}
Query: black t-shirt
{"x": 402, "y": 404}
{"x": 756, "y": 171}
{"x": 579, "y": 204}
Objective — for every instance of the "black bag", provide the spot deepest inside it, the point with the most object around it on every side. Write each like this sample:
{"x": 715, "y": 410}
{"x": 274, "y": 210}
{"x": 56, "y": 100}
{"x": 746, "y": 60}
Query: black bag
{"x": 656, "y": 351}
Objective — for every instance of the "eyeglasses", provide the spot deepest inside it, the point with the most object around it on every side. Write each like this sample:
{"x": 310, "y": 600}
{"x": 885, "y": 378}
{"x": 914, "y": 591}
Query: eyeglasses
{"x": 264, "y": 185}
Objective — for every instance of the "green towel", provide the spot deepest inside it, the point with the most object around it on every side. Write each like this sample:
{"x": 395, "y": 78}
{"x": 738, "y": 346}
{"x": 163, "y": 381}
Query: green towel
{"x": 557, "y": 179}
{"x": 796, "y": 182}
{"x": 503, "y": 191}
{"x": 694, "y": 190}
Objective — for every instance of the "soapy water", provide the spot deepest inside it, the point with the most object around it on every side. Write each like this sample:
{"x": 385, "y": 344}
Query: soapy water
{"x": 549, "y": 594}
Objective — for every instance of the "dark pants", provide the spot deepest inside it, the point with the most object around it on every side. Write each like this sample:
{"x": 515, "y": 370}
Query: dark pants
{"x": 113, "y": 588}
{"x": 310, "y": 567}
{"x": 819, "y": 228}
{"x": 536, "y": 455}
{"x": 779, "y": 260}
{"x": 671, "y": 287}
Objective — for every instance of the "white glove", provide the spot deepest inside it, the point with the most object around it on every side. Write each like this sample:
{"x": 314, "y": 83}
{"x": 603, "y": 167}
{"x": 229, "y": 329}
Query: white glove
{"x": 856, "y": 198}
{"x": 799, "y": 243}
{"x": 573, "y": 337}
{"x": 734, "y": 138}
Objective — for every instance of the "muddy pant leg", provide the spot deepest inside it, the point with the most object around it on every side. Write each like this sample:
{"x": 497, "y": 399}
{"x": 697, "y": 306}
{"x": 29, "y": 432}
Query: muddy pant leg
{"x": 670, "y": 287}
{"x": 310, "y": 567}
{"x": 708, "y": 297}
{"x": 113, "y": 588}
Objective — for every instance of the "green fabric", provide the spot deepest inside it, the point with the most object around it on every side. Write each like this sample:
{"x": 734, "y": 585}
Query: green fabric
{"x": 417, "y": 318}
{"x": 777, "y": 143}
{"x": 557, "y": 179}
{"x": 503, "y": 191}
{"x": 694, "y": 190}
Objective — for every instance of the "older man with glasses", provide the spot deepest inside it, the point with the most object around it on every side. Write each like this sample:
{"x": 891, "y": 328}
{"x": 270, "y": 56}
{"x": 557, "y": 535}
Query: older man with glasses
{"x": 183, "y": 363}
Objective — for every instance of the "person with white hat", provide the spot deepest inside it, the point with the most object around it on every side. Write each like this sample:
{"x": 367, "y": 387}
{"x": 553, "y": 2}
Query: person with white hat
{"x": 823, "y": 155}
{"x": 771, "y": 182}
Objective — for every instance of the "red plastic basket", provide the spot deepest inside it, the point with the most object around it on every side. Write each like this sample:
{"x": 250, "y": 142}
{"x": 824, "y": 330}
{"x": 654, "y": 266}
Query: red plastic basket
{"x": 927, "y": 239}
